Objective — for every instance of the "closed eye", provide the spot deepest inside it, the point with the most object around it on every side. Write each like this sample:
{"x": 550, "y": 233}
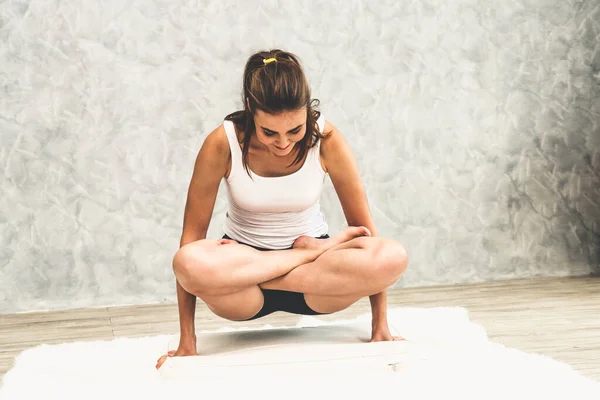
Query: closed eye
{"x": 270, "y": 133}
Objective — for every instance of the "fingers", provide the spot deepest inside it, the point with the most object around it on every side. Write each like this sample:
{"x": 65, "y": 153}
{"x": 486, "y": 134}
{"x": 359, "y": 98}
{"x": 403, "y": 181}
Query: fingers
{"x": 162, "y": 359}
{"x": 169, "y": 354}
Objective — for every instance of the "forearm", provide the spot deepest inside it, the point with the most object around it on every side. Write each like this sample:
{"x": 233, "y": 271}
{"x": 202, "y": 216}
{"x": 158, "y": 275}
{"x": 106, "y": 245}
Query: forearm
{"x": 187, "y": 311}
{"x": 379, "y": 308}
{"x": 379, "y": 300}
{"x": 186, "y": 302}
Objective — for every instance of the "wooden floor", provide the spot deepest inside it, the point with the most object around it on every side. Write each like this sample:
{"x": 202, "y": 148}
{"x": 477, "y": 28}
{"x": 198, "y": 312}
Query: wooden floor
{"x": 557, "y": 317}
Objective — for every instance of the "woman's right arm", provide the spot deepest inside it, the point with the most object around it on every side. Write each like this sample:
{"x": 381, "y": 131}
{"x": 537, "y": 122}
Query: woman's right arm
{"x": 212, "y": 164}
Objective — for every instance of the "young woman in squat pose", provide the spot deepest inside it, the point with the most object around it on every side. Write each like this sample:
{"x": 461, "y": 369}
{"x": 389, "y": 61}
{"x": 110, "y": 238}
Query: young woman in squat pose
{"x": 274, "y": 155}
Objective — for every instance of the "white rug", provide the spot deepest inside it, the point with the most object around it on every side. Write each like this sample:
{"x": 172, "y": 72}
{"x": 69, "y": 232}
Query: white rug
{"x": 445, "y": 356}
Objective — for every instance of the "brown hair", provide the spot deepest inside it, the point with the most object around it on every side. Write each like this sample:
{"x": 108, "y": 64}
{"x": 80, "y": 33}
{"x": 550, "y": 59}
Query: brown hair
{"x": 273, "y": 87}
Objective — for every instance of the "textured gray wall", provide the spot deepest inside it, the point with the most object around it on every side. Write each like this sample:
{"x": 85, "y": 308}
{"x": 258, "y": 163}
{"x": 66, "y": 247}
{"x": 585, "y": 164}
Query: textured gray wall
{"x": 475, "y": 124}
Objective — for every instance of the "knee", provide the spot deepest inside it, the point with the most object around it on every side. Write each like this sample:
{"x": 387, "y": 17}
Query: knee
{"x": 192, "y": 266}
{"x": 182, "y": 261}
{"x": 391, "y": 261}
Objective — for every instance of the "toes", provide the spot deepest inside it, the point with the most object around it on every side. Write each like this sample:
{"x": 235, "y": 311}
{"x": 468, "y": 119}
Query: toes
{"x": 301, "y": 241}
{"x": 360, "y": 231}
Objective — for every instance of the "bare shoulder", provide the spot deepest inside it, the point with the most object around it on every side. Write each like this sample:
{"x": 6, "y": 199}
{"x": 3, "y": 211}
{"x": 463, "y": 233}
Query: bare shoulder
{"x": 217, "y": 140}
{"x": 332, "y": 145}
{"x": 333, "y": 136}
{"x": 215, "y": 152}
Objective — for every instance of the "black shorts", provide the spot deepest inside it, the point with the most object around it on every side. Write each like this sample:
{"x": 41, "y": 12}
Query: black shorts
{"x": 282, "y": 300}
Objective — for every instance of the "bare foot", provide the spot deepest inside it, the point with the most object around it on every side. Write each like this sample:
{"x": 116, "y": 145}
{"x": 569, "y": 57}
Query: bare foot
{"x": 351, "y": 232}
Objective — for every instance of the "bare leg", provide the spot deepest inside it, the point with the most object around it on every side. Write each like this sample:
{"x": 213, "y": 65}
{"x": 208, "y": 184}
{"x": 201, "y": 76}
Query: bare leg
{"x": 218, "y": 269}
{"x": 345, "y": 273}
{"x": 225, "y": 275}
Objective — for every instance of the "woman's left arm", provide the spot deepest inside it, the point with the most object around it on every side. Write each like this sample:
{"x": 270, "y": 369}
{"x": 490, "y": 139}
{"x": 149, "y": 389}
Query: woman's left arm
{"x": 343, "y": 170}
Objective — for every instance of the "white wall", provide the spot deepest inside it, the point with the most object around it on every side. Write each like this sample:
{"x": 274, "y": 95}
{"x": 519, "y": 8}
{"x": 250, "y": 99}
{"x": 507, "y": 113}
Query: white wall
{"x": 475, "y": 124}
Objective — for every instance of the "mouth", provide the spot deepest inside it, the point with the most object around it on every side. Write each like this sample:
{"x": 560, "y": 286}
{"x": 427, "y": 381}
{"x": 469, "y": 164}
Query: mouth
{"x": 283, "y": 148}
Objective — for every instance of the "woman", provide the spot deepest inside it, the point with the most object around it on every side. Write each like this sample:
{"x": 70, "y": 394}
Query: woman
{"x": 274, "y": 155}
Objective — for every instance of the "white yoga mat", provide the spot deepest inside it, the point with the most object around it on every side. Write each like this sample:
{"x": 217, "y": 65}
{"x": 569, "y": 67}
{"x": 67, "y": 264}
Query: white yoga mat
{"x": 444, "y": 355}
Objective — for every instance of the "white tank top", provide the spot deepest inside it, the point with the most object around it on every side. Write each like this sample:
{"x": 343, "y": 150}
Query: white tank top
{"x": 271, "y": 212}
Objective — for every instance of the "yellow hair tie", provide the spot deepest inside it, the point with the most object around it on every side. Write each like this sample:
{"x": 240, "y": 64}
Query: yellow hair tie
{"x": 269, "y": 60}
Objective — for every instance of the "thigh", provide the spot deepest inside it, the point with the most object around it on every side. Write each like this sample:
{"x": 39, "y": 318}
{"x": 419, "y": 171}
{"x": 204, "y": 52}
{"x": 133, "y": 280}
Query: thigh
{"x": 329, "y": 304}
{"x": 248, "y": 303}
{"x": 238, "y": 306}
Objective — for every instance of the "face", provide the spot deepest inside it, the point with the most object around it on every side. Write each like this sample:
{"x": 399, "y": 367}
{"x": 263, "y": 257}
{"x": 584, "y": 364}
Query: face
{"x": 280, "y": 132}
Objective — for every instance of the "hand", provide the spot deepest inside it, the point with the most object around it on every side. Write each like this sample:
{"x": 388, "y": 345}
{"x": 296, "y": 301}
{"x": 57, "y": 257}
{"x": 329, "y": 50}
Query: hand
{"x": 182, "y": 351}
{"x": 381, "y": 333}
